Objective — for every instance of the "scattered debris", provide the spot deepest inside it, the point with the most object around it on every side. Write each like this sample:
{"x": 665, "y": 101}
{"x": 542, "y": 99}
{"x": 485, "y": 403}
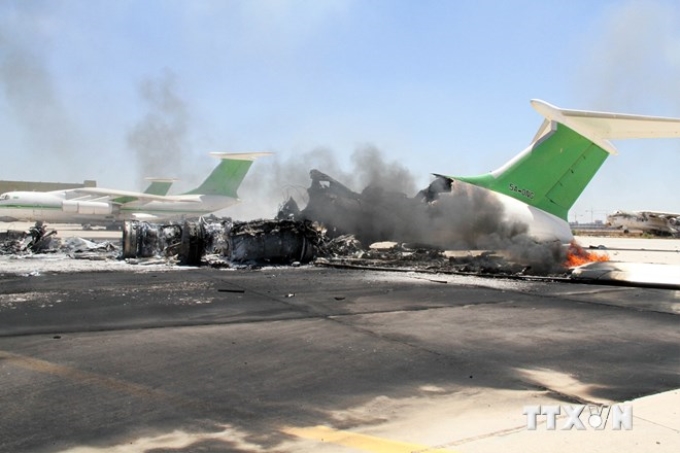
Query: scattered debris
{"x": 427, "y": 259}
{"x": 41, "y": 239}
{"x": 12, "y": 242}
{"x": 38, "y": 240}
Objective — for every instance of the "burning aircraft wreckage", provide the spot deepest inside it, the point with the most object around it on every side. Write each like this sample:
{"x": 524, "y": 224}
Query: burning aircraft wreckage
{"x": 445, "y": 228}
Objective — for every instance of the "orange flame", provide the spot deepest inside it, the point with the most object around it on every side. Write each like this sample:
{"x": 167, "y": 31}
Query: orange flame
{"x": 577, "y": 255}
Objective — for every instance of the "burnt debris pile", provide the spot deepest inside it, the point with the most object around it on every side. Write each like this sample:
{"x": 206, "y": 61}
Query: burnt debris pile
{"x": 444, "y": 216}
{"x": 39, "y": 240}
{"x": 13, "y": 242}
{"x": 419, "y": 257}
{"x": 223, "y": 242}
{"x": 378, "y": 228}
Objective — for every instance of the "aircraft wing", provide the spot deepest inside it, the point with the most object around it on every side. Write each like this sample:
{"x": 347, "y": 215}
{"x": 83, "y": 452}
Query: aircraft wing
{"x": 126, "y": 196}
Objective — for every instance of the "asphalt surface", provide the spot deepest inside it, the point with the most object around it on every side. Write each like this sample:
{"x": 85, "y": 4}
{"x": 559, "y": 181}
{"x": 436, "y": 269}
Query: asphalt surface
{"x": 221, "y": 360}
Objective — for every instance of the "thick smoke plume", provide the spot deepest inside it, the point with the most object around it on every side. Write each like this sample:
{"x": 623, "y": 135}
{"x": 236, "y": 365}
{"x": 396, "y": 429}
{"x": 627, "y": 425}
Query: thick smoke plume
{"x": 159, "y": 140}
{"x": 272, "y": 180}
{"x": 35, "y": 103}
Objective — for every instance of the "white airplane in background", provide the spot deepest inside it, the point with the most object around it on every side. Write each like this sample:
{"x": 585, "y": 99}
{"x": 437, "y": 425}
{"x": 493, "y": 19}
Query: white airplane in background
{"x": 541, "y": 184}
{"x": 94, "y": 204}
{"x": 158, "y": 186}
{"x": 654, "y": 222}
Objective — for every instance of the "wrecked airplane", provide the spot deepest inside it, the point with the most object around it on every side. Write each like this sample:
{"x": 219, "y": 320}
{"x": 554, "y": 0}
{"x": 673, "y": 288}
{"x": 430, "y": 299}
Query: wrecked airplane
{"x": 444, "y": 215}
{"x": 338, "y": 226}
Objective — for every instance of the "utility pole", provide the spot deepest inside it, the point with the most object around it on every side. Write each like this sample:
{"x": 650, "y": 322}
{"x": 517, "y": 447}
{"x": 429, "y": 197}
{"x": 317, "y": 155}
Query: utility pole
{"x": 592, "y": 212}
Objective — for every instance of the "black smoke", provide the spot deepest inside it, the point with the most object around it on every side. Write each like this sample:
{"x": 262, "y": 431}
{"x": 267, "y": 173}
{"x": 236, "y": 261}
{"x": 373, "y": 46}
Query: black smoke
{"x": 377, "y": 200}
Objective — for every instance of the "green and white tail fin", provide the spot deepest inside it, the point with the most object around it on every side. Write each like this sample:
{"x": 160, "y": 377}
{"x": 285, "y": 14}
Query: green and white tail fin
{"x": 567, "y": 151}
{"x": 226, "y": 178}
{"x": 159, "y": 186}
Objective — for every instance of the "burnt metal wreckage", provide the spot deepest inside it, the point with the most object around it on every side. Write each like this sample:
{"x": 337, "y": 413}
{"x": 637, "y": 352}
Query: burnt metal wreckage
{"x": 332, "y": 226}
{"x": 38, "y": 240}
{"x": 338, "y": 227}
{"x": 224, "y": 241}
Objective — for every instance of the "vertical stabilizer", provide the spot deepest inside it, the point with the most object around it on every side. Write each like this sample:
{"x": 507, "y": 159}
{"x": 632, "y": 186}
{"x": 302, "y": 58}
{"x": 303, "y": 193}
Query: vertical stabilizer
{"x": 569, "y": 149}
{"x": 226, "y": 178}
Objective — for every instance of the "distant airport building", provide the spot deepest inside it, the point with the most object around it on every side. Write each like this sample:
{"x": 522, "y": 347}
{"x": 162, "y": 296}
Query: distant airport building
{"x": 32, "y": 186}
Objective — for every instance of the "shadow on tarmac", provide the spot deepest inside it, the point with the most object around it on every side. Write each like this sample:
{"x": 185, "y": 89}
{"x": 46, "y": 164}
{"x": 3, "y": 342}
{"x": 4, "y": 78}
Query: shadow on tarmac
{"x": 101, "y": 359}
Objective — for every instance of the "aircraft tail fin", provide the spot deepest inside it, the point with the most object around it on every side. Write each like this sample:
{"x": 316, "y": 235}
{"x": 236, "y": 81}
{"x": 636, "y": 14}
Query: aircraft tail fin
{"x": 159, "y": 186}
{"x": 568, "y": 150}
{"x": 226, "y": 178}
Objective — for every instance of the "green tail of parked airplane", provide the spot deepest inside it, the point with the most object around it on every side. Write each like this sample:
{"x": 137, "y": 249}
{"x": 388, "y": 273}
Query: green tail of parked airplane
{"x": 159, "y": 186}
{"x": 98, "y": 205}
{"x": 541, "y": 184}
{"x": 226, "y": 178}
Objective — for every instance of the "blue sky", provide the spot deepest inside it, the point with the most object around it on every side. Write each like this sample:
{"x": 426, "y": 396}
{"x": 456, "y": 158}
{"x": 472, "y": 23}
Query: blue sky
{"x": 115, "y": 90}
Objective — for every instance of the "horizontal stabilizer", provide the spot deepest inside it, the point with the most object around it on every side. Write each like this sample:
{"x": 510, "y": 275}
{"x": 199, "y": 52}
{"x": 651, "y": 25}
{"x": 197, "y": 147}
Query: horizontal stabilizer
{"x": 240, "y": 156}
{"x": 600, "y": 127}
{"x": 159, "y": 186}
{"x": 160, "y": 179}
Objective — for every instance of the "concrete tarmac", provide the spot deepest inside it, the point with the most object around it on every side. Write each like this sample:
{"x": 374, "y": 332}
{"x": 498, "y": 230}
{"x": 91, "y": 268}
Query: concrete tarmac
{"x": 314, "y": 359}
{"x": 636, "y": 250}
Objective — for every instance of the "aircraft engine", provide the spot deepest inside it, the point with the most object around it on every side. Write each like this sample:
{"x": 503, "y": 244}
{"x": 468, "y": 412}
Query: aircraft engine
{"x": 86, "y": 207}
